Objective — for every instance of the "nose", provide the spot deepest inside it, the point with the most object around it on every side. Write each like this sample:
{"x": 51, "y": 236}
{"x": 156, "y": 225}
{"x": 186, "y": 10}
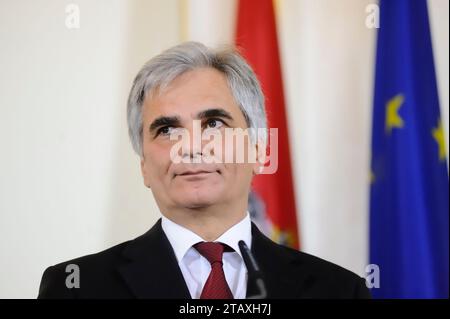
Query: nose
{"x": 192, "y": 153}
{"x": 192, "y": 146}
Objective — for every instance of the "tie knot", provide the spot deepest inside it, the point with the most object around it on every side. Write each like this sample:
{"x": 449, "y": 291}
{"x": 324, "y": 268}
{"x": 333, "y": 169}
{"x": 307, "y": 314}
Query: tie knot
{"x": 211, "y": 251}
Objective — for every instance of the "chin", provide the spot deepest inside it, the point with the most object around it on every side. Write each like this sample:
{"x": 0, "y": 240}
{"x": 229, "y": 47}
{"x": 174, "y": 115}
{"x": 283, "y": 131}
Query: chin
{"x": 197, "y": 198}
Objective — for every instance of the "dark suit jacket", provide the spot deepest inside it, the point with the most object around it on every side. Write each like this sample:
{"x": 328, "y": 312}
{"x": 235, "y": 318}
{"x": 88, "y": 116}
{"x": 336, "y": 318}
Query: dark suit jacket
{"x": 146, "y": 267}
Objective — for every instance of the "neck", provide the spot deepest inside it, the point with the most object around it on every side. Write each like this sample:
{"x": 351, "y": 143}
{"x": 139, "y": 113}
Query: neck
{"x": 207, "y": 222}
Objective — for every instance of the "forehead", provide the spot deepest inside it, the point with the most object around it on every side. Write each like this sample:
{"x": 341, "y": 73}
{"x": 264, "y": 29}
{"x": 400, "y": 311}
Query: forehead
{"x": 190, "y": 93}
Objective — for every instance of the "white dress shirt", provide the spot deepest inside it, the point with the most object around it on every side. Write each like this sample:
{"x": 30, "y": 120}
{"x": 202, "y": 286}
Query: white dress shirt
{"x": 196, "y": 268}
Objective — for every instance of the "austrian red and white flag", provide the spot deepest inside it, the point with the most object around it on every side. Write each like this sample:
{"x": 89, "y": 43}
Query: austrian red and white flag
{"x": 272, "y": 198}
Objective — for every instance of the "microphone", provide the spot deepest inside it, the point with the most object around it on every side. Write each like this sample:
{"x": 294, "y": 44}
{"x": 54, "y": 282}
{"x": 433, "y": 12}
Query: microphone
{"x": 254, "y": 272}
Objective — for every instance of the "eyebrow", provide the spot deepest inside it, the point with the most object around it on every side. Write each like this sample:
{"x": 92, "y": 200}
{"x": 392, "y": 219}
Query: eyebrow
{"x": 218, "y": 112}
{"x": 175, "y": 120}
{"x": 164, "y": 121}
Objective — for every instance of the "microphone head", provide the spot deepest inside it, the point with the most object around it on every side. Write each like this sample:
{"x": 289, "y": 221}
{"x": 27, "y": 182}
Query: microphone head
{"x": 242, "y": 246}
{"x": 249, "y": 260}
{"x": 254, "y": 273}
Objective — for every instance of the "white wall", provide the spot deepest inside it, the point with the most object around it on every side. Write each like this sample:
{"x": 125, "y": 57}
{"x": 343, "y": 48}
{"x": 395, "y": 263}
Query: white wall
{"x": 328, "y": 63}
{"x": 69, "y": 182}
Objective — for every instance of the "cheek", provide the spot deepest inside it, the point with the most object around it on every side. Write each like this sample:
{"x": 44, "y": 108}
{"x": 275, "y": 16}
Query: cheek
{"x": 157, "y": 160}
{"x": 238, "y": 173}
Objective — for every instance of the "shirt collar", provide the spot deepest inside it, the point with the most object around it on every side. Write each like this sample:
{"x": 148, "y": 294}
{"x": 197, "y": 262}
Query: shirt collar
{"x": 240, "y": 231}
{"x": 181, "y": 238}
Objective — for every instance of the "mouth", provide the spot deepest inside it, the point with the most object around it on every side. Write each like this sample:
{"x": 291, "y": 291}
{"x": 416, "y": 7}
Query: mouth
{"x": 196, "y": 174}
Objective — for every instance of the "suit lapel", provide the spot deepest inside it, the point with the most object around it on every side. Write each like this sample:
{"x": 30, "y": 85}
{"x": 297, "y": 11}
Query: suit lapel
{"x": 281, "y": 271}
{"x": 152, "y": 270}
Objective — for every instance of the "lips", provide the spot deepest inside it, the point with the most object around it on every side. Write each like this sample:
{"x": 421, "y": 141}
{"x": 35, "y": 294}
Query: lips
{"x": 194, "y": 173}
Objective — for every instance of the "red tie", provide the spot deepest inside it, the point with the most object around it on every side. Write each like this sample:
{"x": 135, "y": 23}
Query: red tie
{"x": 216, "y": 286}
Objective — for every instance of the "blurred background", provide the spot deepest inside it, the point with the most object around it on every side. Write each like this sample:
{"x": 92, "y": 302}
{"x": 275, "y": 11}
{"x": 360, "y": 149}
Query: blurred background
{"x": 70, "y": 184}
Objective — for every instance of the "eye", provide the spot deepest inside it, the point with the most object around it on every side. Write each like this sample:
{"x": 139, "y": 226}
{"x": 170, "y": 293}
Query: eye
{"x": 165, "y": 130}
{"x": 214, "y": 123}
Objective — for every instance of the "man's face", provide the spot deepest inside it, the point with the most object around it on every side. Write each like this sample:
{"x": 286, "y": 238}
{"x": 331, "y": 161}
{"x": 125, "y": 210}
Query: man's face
{"x": 202, "y": 95}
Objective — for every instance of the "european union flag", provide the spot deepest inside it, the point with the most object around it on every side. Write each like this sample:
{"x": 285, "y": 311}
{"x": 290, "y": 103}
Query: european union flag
{"x": 409, "y": 192}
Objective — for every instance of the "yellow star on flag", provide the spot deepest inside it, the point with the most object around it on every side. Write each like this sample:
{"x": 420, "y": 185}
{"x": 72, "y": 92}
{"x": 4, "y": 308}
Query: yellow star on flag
{"x": 393, "y": 119}
{"x": 438, "y": 135}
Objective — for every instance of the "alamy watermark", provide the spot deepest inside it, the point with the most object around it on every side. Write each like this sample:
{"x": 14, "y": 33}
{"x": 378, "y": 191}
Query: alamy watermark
{"x": 72, "y": 20}
{"x": 229, "y": 145}
{"x": 73, "y": 279}
{"x": 372, "y": 276}
{"x": 373, "y": 16}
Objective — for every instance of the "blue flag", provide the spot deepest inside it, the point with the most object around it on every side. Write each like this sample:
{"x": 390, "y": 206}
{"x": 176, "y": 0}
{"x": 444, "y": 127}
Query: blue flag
{"x": 409, "y": 180}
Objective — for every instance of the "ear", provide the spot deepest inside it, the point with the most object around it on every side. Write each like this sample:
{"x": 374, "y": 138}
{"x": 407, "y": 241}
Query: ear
{"x": 258, "y": 166}
{"x": 145, "y": 173}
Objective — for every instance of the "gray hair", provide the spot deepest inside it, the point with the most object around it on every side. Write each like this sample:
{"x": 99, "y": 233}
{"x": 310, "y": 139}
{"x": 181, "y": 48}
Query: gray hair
{"x": 157, "y": 74}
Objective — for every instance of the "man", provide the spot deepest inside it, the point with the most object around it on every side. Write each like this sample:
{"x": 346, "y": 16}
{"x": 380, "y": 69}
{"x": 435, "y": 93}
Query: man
{"x": 193, "y": 251}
